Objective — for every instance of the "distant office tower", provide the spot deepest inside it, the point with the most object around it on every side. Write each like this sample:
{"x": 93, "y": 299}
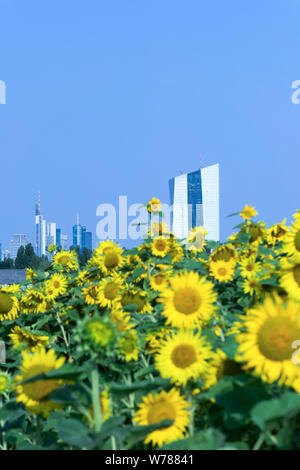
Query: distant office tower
{"x": 58, "y": 237}
{"x": 51, "y": 234}
{"x": 64, "y": 241}
{"x": 0, "y": 251}
{"x": 88, "y": 240}
{"x": 17, "y": 241}
{"x": 77, "y": 233}
{"x": 81, "y": 237}
{"x": 40, "y": 230}
{"x": 6, "y": 254}
{"x": 195, "y": 200}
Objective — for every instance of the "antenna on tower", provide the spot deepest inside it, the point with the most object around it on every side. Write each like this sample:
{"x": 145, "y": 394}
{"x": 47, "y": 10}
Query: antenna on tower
{"x": 77, "y": 216}
{"x": 200, "y": 161}
{"x": 38, "y": 205}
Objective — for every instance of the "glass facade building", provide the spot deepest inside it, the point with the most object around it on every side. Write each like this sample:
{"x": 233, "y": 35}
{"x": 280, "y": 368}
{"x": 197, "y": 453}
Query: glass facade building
{"x": 81, "y": 237}
{"x": 88, "y": 241}
{"x": 195, "y": 200}
{"x": 17, "y": 241}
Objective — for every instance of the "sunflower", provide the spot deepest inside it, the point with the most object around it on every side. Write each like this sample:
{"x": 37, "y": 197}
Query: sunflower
{"x": 30, "y": 274}
{"x": 222, "y": 271}
{"x": 175, "y": 250}
{"x": 96, "y": 332}
{"x": 90, "y": 294}
{"x": 256, "y": 231}
{"x": 182, "y": 357}
{"x": 12, "y": 288}
{"x": 266, "y": 345}
{"x": 136, "y": 297}
{"x": 290, "y": 278}
{"x": 33, "y": 301}
{"x": 9, "y": 305}
{"x": 189, "y": 300}
{"x": 291, "y": 244}
{"x": 154, "y": 340}
{"x": 5, "y": 382}
{"x": 248, "y": 267}
{"x": 220, "y": 366}
{"x": 251, "y": 285}
{"x": 159, "y": 281}
{"x": 67, "y": 259}
{"x": 160, "y": 246}
{"x": 33, "y": 342}
{"x": 196, "y": 238}
{"x": 58, "y": 283}
{"x": 160, "y": 407}
{"x": 82, "y": 278}
{"x": 129, "y": 346}
{"x": 109, "y": 291}
{"x": 108, "y": 257}
{"x": 35, "y": 395}
{"x": 154, "y": 205}
{"x": 132, "y": 260}
{"x": 248, "y": 212}
{"x": 277, "y": 233}
{"x": 224, "y": 253}
{"x": 121, "y": 320}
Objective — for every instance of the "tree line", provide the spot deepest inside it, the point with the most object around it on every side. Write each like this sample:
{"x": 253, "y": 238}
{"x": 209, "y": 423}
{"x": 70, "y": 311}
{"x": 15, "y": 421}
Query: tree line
{"x": 26, "y": 258}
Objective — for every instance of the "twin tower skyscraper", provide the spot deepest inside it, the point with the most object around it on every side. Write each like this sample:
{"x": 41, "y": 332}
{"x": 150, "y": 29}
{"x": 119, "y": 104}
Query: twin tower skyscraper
{"x": 195, "y": 200}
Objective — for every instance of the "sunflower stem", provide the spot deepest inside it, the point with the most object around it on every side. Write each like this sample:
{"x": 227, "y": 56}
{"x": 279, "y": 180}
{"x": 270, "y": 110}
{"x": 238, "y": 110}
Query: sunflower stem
{"x": 259, "y": 441}
{"x": 38, "y": 431}
{"x": 62, "y": 330}
{"x": 96, "y": 400}
{"x": 190, "y": 400}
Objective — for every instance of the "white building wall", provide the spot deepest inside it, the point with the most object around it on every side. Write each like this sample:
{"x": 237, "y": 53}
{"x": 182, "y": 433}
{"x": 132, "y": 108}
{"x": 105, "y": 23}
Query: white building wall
{"x": 210, "y": 194}
{"x": 180, "y": 207}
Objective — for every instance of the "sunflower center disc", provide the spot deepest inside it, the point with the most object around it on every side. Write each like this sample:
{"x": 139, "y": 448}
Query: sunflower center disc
{"x": 297, "y": 241}
{"x": 187, "y": 300}
{"x": 296, "y": 272}
{"x": 111, "y": 260}
{"x": 275, "y": 339}
{"x": 160, "y": 246}
{"x": 40, "y": 389}
{"x": 222, "y": 271}
{"x": 6, "y": 302}
{"x": 64, "y": 260}
{"x": 183, "y": 356}
{"x": 110, "y": 291}
{"x": 160, "y": 411}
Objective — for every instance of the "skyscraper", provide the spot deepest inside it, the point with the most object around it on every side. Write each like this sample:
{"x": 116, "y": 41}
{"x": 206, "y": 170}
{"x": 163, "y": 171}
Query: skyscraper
{"x": 77, "y": 233}
{"x": 88, "y": 240}
{"x": 0, "y": 251}
{"x": 58, "y": 237}
{"x": 17, "y": 241}
{"x": 40, "y": 230}
{"x": 51, "y": 234}
{"x": 81, "y": 237}
{"x": 64, "y": 241}
{"x": 195, "y": 200}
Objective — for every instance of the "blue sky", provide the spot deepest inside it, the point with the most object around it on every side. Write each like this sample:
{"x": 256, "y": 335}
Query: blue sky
{"x": 114, "y": 97}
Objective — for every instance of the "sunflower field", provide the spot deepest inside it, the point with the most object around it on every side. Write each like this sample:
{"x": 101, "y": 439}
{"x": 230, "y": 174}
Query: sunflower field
{"x": 169, "y": 345}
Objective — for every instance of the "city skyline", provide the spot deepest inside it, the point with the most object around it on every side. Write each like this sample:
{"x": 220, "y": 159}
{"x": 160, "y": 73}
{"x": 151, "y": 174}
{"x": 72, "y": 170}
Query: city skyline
{"x": 142, "y": 107}
{"x": 46, "y": 233}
